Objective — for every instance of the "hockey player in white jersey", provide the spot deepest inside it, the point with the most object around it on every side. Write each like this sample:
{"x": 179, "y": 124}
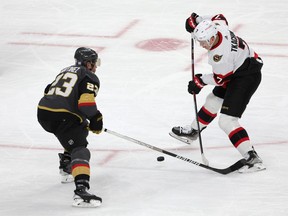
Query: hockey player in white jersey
{"x": 236, "y": 74}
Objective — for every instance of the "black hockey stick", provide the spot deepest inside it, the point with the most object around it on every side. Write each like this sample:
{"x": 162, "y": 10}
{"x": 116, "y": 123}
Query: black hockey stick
{"x": 204, "y": 159}
{"x": 228, "y": 170}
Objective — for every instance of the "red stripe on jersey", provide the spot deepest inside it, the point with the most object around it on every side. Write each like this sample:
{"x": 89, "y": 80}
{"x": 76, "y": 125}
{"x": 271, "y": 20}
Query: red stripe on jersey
{"x": 86, "y": 104}
{"x": 221, "y": 76}
{"x": 221, "y": 79}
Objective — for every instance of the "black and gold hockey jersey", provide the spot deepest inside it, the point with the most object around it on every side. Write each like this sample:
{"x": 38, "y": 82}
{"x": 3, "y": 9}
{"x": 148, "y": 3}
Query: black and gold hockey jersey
{"x": 72, "y": 94}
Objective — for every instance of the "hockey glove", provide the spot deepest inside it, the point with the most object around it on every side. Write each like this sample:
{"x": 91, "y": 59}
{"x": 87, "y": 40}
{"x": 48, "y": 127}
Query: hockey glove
{"x": 96, "y": 123}
{"x": 192, "y": 22}
{"x": 195, "y": 85}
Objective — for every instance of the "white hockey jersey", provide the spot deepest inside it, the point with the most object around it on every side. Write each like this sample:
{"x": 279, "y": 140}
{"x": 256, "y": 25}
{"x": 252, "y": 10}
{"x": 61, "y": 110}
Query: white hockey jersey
{"x": 227, "y": 55}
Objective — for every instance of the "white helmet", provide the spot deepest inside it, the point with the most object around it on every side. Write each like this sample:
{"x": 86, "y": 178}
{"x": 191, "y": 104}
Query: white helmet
{"x": 205, "y": 30}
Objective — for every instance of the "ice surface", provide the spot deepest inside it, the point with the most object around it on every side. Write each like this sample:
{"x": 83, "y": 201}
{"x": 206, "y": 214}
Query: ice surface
{"x": 142, "y": 95}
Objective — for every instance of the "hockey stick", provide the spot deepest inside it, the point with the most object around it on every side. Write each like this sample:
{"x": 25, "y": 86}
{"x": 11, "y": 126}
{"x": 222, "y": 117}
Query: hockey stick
{"x": 225, "y": 171}
{"x": 204, "y": 159}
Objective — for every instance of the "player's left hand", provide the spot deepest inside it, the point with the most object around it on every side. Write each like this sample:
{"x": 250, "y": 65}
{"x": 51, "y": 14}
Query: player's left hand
{"x": 191, "y": 22}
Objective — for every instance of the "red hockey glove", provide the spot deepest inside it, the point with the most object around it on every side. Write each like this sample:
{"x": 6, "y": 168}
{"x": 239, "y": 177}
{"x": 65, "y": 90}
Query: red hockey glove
{"x": 195, "y": 85}
{"x": 96, "y": 123}
{"x": 191, "y": 22}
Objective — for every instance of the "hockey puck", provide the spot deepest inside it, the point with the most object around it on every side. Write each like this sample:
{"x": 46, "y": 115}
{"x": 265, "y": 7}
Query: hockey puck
{"x": 161, "y": 158}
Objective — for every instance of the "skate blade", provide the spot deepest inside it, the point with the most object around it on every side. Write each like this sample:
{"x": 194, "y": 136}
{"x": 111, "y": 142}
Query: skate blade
{"x": 80, "y": 203}
{"x": 182, "y": 139}
{"x": 255, "y": 168}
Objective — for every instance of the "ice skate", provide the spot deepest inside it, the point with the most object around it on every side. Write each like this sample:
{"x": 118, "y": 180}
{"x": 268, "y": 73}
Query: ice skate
{"x": 253, "y": 163}
{"x": 66, "y": 177}
{"x": 65, "y": 168}
{"x": 83, "y": 199}
{"x": 185, "y": 134}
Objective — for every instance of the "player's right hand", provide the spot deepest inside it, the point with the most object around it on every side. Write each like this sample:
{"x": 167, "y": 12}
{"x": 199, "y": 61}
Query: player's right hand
{"x": 195, "y": 85}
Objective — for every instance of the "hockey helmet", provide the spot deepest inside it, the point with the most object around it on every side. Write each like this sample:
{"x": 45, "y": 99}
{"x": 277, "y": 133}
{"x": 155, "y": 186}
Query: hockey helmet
{"x": 83, "y": 55}
{"x": 205, "y": 30}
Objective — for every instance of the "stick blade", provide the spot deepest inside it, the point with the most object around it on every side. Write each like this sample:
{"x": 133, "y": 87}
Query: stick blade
{"x": 236, "y": 166}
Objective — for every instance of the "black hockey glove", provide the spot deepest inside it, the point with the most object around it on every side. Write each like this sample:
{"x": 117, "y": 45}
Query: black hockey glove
{"x": 195, "y": 85}
{"x": 96, "y": 123}
{"x": 191, "y": 22}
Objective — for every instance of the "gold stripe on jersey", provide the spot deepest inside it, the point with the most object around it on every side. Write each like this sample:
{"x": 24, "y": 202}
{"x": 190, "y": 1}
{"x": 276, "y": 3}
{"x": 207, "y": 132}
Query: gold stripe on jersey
{"x": 60, "y": 110}
{"x": 86, "y": 99}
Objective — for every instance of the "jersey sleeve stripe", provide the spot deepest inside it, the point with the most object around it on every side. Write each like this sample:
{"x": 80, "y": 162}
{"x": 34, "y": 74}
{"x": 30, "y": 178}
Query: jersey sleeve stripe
{"x": 86, "y": 99}
{"x": 86, "y": 104}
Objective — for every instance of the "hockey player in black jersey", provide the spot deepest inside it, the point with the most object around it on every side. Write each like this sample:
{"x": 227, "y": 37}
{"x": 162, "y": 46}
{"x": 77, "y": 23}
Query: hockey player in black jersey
{"x": 68, "y": 110}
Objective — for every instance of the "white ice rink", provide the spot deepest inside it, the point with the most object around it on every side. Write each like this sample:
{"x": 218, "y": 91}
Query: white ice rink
{"x": 145, "y": 53}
